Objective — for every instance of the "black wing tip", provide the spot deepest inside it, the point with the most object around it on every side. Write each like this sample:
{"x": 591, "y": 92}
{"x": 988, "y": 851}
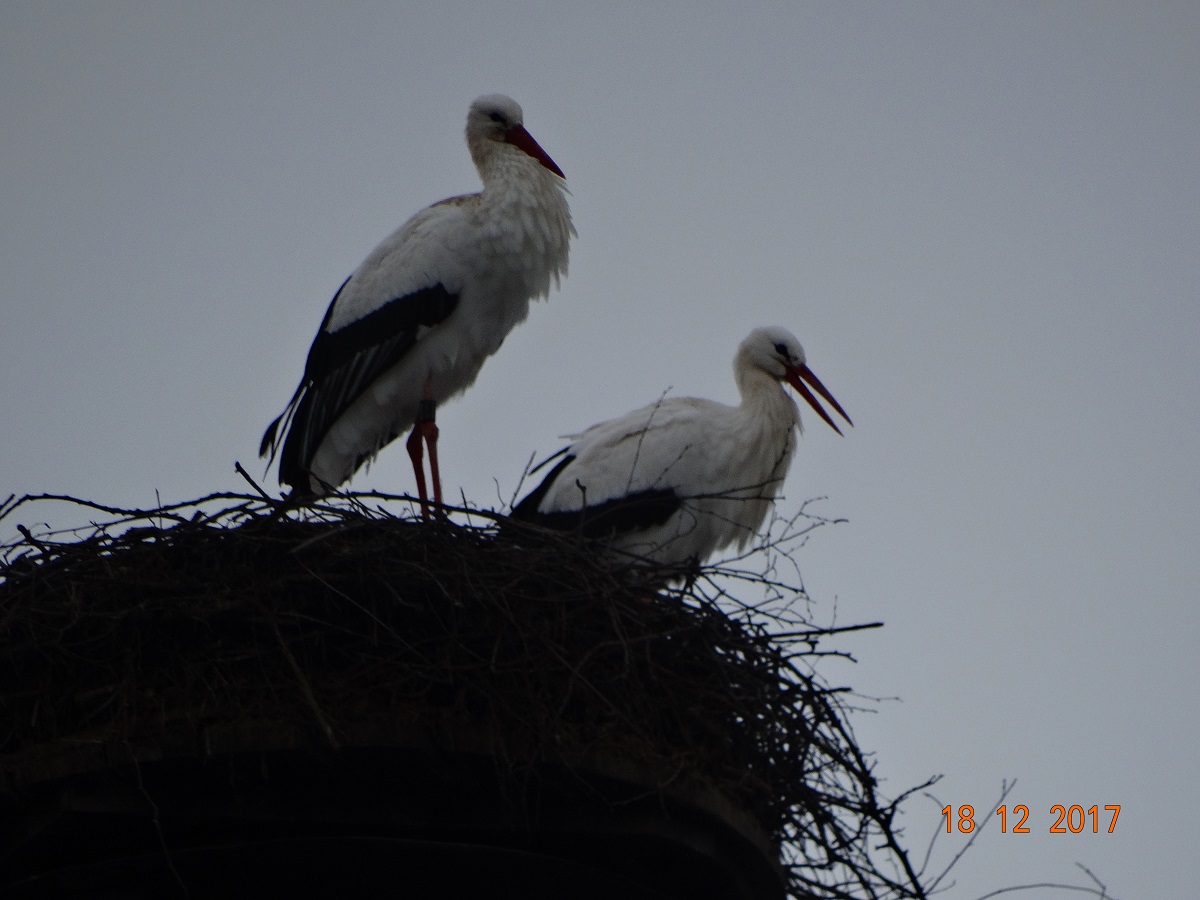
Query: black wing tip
{"x": 617, "y": 515}
{"x": 269, "y": 439}
{"x": 527, "y": 509}
{"x": 291, "y": 473}
{"x": 621, "y": 515}
{"x": 549, "y": 459}
{"x": 524, "y": 511}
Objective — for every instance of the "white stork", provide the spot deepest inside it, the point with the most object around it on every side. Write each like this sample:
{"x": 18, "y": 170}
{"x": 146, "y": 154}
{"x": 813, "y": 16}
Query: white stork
{"x": 683, "y": 478}
{"x": 414, "y": 323}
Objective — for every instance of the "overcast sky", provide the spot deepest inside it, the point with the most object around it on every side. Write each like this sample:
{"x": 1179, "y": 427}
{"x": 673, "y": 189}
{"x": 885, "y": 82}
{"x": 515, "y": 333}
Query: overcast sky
{"x": 980, "y": 219}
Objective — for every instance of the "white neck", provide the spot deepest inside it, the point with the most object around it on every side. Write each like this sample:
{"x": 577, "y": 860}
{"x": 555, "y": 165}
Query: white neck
{"x": 524, "y": 213}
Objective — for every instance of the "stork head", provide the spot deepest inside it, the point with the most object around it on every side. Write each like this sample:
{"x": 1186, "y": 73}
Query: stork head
{"x": 497, "y": 119}
{"x": 776, "y": 352}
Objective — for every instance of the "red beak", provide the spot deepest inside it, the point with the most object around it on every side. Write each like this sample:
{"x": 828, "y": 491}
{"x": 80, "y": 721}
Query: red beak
{"x": 519, "y": 137}
{"x": 797, "y": 376}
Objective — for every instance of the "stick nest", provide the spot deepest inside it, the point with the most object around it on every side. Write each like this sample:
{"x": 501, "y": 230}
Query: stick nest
{"x": 354, "y": 624}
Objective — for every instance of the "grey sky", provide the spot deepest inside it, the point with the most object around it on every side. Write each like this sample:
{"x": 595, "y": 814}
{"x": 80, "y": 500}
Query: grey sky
{"x": 980, "y": 219}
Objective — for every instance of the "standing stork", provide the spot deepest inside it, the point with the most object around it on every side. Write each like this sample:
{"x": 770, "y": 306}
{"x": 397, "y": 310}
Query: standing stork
{"x": 677, "y": 480}
{"x": 414, "y": 323}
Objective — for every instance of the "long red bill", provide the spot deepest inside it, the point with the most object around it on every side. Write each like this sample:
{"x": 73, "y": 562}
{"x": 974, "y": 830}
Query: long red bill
{"x": 794, "y": 378}
{"x": 522, "y": 139}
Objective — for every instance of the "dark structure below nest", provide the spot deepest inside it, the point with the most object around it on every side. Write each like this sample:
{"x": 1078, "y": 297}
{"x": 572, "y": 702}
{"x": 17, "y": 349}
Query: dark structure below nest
{"x": 337, "y": 701}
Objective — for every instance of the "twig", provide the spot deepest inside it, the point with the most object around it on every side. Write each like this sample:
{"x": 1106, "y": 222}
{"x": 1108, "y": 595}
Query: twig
{"x": 156, "y": 820}
{"x": 1005, "y": 790}
{"x": 1047, "y": 885}
{"x": 306, "y": 688}
{"x": 240, "y": 469}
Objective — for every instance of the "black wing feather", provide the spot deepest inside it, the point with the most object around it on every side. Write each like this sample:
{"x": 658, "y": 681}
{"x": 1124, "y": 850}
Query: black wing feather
{"x": 342, "y": 365}
{"x": 618, "y": 515}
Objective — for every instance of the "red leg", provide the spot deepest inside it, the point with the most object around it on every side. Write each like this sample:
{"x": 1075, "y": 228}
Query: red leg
{"x": 425, "y": 429}
{"x": 415, "y": 454}
{"x": 430, "y": 431}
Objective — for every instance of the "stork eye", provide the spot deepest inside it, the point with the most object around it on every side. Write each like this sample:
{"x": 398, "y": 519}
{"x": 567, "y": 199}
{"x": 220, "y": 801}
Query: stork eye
{"x": 782, "y": 350}
{"x": 496, "y": 117}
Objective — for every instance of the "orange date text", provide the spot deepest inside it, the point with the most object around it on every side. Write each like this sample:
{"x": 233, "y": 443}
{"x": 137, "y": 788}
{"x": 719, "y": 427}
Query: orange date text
{"x": 1073, "y": 819}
